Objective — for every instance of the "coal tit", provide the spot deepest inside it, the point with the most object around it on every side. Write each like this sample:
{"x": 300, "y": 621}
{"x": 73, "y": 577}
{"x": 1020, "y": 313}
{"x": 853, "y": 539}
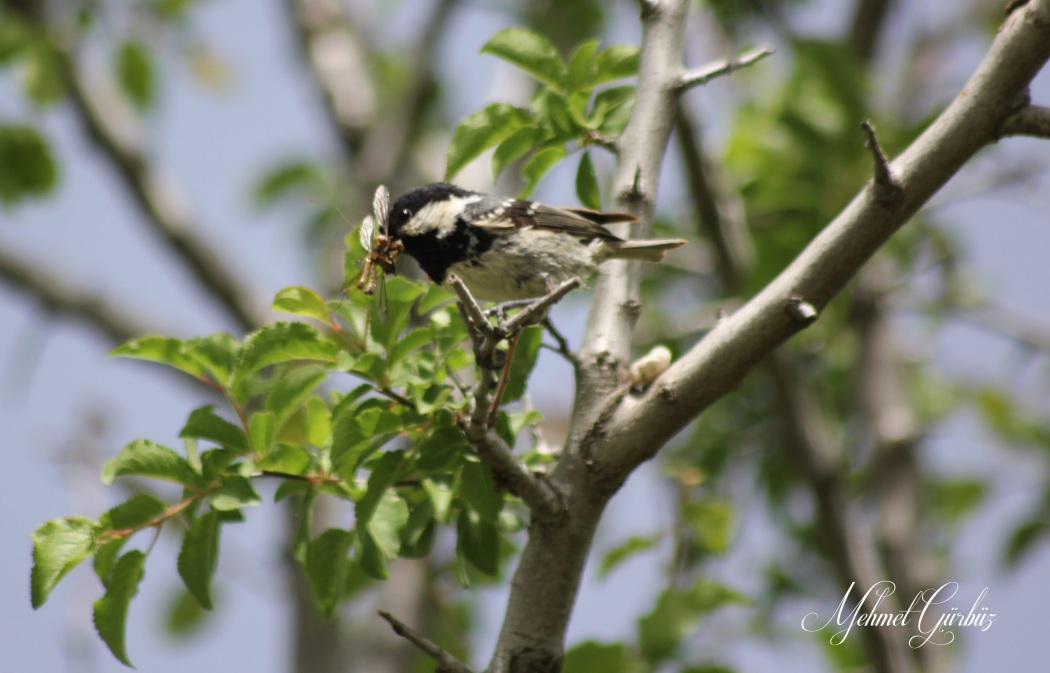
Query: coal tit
{"x": 506, "y": 249}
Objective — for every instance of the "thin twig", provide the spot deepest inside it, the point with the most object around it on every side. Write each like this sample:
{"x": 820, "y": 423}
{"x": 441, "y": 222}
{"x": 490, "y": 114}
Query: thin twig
{"x": 533, "y": 311}
{"x": 887, "y": 187}
{"x": 706, "y": 73}
{"x": 563, "y": 344}
{"x": 446, "y": 662}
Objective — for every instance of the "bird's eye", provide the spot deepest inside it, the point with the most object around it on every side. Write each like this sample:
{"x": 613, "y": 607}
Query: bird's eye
{"x": 407, "y": 213}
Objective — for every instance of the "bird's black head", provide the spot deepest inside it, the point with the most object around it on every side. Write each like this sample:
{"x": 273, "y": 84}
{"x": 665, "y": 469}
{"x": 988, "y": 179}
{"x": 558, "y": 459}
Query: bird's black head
{"x": 411, "y": 202}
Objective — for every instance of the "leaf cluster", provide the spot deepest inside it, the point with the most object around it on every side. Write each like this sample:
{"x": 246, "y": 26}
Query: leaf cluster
{"x": 392, "y": 444}
{"x": 571, "y": 110}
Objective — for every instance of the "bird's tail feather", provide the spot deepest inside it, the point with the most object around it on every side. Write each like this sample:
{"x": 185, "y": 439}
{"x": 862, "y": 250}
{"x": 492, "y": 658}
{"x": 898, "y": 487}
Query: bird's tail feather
{"x": 645, "y": 251}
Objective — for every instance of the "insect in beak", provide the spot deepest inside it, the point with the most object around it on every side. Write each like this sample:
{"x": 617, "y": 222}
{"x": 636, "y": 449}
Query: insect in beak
{"x": 382, "y": 250}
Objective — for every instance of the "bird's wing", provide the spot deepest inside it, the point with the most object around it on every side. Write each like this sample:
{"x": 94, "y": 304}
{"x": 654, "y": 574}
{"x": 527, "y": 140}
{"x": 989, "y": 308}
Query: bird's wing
{"x": 507, "y": 215}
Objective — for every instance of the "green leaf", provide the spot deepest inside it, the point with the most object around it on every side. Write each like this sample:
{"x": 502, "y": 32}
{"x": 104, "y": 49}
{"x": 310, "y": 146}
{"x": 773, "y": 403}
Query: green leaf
{"x": 616, "y": 62}
{"x": 166, "y": 350}
{"x": 135, "y": 74}
{"x": 386, "y": 523}
{"x": 479, "y": 491}
{"x": 262, "y": 430}
{"x": 106, "y": 557}
{"x": 27, "y": 167}
{"x": 406, "y": 345}
{"x": 137, "y": 511}
{"x": 143, "y": 458}
{"x": 515, "y": 146}
{"x": 594, "y": 657}
{"x": 280, "y": 181}
{"x": 58, "y": 546}
{"x": 711, "y": 523}
{"x": 301, "y": 301}
{"x": 290, "y": 487}
{"x": 204, "y": 423}
{"x": 384, "y": 474}
{"x": 480, "y": 131}
{"x": 111, "y": 611}
{"x": 611, "y": 110}
{"x": 531, "y": 52}
{"x": 372, "y": 561}
{"x": 954, "y": 499}
{"x": 318, "y": 422}
{"x": 478, "y": 542}
{"x": 356, "y": 434}
{"x": 661, "y": 631}
{"x": 1023, "y": 540}
{"x": 441, "y": 448}
{"x": 326, "y": 565}
{"x": 581, "y": 69}
{"x": 184, "y": 615}
{"x": 538, "y": 165}
{"x": 440, "y": 496}
{"x": 417, "y": 535}
{"x": 216, "y": 353}
{"x": 587, "y": 184}
{"x": 292, "y": 390}
{"x": 525, "y": 355}
{"x": 281, "y": 342}
{"x": 630, "y": 547}
{"x": 554, "y": 112}
{"x": 199, "y": 557}
{"x": 286, "y": 458}
{"x": 42, "y": 74}
{"x": 236, "y": 492}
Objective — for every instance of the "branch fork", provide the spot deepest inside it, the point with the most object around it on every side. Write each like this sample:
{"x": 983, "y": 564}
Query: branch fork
{"x": 541, "y": 499}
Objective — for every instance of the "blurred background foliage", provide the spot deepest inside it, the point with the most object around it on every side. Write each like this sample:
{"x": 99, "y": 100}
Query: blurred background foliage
{"x": 832, "y": 436}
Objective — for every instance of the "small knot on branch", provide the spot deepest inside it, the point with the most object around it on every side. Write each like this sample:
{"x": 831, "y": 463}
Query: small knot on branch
{"x": 888, "y": 190}
{"x": 801, "y": 311}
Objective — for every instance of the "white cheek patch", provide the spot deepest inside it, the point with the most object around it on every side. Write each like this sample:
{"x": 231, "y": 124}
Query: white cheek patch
{"x": 438, "y": 216}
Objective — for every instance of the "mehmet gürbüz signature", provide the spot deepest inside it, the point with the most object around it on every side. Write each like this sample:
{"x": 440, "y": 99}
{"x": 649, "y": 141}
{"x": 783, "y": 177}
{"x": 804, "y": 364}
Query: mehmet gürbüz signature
{"x": 928, "y": 615}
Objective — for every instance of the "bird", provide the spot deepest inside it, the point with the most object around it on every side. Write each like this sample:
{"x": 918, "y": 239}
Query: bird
{"x": 508, "y": 249}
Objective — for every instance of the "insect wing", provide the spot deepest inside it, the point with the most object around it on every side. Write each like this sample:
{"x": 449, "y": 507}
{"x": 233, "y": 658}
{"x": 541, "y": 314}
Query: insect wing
{"x": 367, "y": 232}
{"x": 381, "y": 207}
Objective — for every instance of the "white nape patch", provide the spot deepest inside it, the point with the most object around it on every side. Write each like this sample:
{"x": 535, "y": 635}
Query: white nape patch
{"x": 438, "y": 216}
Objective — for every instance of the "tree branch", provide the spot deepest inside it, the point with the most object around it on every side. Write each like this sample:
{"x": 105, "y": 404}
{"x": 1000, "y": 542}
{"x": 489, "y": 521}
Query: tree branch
{"x": 704, "y": 74}
{"x": 1031, "y": 120}
{"x": 446, "y": 662}
{"x": 807, "y": 445}
{"x": 896, "y": 433}
{"x": 163, "y": 208}
{"x": 62, "y": 295}
{"x": 540, "y": 497}
{"x": 339, "y": 65}
{"x": 718, "y": 363}
{"x": 545, "y": 584}
{"x": 615, "y": 304}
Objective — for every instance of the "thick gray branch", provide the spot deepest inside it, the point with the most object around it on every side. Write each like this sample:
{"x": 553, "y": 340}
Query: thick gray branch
{"x": 719, "y": 362}
{"x": 546, "y": 582}
{"x": 614, "y": 308}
